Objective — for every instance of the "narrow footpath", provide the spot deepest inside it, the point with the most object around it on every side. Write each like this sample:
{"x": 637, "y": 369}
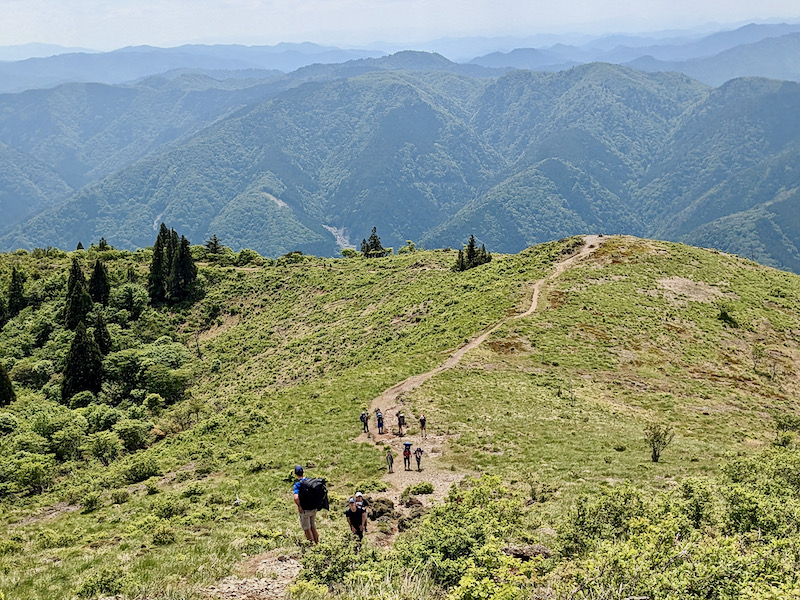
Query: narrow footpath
{"x": 392, "y": 400}
{"x": 267, "y": 576}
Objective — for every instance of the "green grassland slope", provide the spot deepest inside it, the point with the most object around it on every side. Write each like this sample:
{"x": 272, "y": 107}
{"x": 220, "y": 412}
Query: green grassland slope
{"x": 271, "y": 362}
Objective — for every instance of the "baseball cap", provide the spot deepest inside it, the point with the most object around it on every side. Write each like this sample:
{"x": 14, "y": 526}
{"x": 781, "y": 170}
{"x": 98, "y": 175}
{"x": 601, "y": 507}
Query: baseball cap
{"x": 359, "y": 494}
{"x": 351, "y": 501}
{"x": 298, "y": 470}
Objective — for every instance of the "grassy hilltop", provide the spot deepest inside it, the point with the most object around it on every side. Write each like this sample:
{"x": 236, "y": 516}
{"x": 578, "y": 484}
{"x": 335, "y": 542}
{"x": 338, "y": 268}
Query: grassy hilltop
{"x": 271, "y": 362}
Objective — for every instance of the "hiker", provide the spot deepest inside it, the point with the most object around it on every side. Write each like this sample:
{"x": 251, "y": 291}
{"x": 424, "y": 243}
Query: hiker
{"x": 418, "y": 456}
{"x": 362, "y": 503}
{"x": 365, "y": 420}
{"x": 423, "y": 431}
{"x": 407, "y": 456}
{"x": 379, "y": 416}
{"x": 389, "y": 459}
{"x": 356, "y": 517}
{"x": 308, "y": 518}
{"x": 401, "y": 421}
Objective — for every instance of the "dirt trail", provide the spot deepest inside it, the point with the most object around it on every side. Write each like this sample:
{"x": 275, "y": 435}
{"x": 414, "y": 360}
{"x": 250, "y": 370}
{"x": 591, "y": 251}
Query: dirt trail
{"x": 266, "y": 577}
{"x": 392, "y": 400}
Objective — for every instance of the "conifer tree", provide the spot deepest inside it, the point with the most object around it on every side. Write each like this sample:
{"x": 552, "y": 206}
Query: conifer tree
{"x": 183, "y": 272}
{"x": 79, "y": 302}
{"x": 79, "y": 246}
{"x": 84, "y": 366}
{"x": 471, "y": 256}
{"x": 7, "y": 395}
{"x": 214, "y": 245}
{"x": 99, "y": 287}
{"x": 156, "y": 280}
{"x": 103, "y": 244}
{"x": 471, "y": 253}
{"x": 75, "y": 274}
{"x": 16, "y": 293}
{"x": 101, "y": 335}
{"x": 372, "y": 247}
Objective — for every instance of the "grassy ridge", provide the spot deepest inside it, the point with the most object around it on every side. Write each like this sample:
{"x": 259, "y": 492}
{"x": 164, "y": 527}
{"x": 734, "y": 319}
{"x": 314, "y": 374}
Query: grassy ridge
{"x": 296, "y": 349}
{"x": 291, "y": 352}
{"x": 632, "y": 335}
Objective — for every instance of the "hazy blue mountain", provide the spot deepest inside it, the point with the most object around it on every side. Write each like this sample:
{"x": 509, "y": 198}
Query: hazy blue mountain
{"x": 34, "y": 50}
{"x": 521, "y": 58}
{"x": 713, "y": 58}
{"x": 777, "y": 57}
{"x": 128, "y": 64}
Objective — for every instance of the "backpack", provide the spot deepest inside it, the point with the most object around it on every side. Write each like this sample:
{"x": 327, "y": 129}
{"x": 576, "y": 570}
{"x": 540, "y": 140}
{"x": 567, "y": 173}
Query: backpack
{"x": 313, "y": 494}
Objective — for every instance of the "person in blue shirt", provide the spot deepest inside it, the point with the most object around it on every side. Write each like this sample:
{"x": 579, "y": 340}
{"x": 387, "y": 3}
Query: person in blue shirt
{"x": 308, "y": 518}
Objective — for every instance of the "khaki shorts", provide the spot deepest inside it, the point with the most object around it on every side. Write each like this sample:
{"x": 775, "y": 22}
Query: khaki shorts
{"x": 308, "y": 519}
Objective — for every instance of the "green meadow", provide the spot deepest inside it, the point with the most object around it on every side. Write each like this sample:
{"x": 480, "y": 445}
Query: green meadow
{"x": 277, "y": 358}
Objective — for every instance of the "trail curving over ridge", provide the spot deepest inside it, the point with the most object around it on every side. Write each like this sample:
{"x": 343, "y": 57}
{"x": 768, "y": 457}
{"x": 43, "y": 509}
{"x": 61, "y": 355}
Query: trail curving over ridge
{"x": 391, "y": 400}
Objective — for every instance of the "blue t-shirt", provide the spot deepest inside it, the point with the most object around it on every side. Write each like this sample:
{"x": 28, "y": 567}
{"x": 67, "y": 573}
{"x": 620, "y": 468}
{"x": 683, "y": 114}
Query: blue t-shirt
{"x": 296, "y": 486}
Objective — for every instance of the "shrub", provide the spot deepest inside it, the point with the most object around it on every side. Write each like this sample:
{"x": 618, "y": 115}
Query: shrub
{"x": 418, "y": 489}
{"x": 163, "y": 534}
{"x": 8, "y": 422}
{"x": 133, "y": 433}
{"x": 49, "y": 538}
{"x": 120, "y": 496}
{"x": 154, "y": 403}
{"x": 33, "y": 472}
{"x": 91, "y": 502}
{"x": 82, "y": 399}
{"x": 140, "y": 468}
{"x": 66, "y": 443}
{"x": 110, "y": 581}
{"x": 658, "y": 437}
{"x": 169, "y": 506}
{"x": 105, "y": 446}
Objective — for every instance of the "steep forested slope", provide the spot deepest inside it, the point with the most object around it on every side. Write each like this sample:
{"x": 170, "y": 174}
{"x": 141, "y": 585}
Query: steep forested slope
{"x": 437, "y": 155}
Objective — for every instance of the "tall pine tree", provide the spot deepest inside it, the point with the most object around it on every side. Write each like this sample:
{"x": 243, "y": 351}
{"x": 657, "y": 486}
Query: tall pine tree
{"x": 79, "y": 302}
{"x": 101, "y": 336}
{"x": 84, "y": 367}
{"x": 471, "y": 256}
{"x": 7, "y": 395}
{"x": 159, "y": 267}
{"x": 16, "y": 293}
{"x": 99, "y": 287}
{"x": 183, "y": 272}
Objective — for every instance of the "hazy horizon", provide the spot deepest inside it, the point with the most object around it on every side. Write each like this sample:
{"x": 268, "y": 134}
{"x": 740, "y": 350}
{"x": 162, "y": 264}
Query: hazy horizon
{"x": 107, "y": 25}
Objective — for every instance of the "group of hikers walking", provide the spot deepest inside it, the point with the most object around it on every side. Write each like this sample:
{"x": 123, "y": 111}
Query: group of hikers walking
{"x": 401, "y": 429}
{"x": 310, "y": 495}
{"x": 401, "y": 423}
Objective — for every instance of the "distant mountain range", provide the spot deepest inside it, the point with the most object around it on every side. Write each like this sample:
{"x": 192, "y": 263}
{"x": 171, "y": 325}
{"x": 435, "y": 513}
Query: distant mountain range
{"x": 418, "y": 146}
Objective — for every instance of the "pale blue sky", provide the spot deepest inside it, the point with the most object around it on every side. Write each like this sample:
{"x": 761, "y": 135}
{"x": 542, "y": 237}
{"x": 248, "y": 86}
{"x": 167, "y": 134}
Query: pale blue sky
{"x": 108, "y": 24}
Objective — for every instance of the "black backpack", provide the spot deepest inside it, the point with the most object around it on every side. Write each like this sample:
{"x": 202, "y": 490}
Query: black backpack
{"x": 313, "y": 494}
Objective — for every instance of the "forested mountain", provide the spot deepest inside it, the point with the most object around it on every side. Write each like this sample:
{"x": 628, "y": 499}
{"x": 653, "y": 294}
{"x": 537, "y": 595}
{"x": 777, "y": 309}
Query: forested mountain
{"x": 418, "y": 147}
